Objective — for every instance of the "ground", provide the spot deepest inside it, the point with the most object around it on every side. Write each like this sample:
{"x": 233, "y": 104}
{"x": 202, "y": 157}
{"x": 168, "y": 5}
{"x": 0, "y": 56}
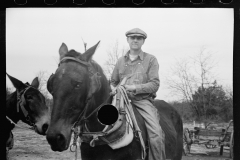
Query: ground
{"x": 29, "y": 145}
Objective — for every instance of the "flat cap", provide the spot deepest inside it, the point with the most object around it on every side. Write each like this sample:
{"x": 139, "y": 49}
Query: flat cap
{"x": 136, "y": 32}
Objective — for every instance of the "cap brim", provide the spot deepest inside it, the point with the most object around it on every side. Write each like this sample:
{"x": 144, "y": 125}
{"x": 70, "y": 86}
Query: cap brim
{"x": 136, "y": 34}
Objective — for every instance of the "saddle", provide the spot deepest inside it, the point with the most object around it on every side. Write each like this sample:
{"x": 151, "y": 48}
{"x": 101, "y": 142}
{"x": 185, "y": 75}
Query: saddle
{"x": 119, "y": 134}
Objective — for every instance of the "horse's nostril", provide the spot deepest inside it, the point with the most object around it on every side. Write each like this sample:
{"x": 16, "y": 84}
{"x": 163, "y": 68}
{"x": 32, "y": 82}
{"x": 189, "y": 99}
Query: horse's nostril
{"x": 56, "y": 140}
{"x": 45, "y": 127}
{"x": 60, "y": 138}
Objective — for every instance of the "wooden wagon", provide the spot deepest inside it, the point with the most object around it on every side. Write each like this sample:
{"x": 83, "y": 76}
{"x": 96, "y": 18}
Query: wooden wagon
{"x": 210, "y": 137}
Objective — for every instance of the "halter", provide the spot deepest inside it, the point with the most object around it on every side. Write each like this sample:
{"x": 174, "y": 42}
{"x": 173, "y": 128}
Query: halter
{"x": 21, "y": 103}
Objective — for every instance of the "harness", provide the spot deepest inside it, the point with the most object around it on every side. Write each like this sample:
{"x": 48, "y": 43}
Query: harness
{"x": 21, "y": 103}
{"x": 82, "y": 116}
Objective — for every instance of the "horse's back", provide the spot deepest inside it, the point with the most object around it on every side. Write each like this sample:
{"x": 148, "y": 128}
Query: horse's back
{"x": 172, "y": 125}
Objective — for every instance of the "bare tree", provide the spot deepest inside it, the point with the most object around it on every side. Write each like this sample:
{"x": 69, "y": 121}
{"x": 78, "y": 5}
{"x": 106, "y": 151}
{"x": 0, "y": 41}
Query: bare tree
{"x": 43, "y": 77}
{"x": 114, "y": 53}
{"x": 229, "y": 93}
{"x": 188, "y": 74}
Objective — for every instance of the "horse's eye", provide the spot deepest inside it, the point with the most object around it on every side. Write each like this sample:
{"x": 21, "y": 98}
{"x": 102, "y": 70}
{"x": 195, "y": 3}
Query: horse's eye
{"x": 76, "y": 84}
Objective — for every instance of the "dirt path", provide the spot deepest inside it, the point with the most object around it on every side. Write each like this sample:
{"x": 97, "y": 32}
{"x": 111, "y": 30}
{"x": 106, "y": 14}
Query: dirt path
{"x": 31, "y": 146}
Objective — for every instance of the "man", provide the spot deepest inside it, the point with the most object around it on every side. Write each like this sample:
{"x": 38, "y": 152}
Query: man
{"x": 141, "y": 70}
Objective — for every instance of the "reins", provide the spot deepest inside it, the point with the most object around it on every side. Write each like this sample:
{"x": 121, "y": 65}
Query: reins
{"x": 29, "y": 128}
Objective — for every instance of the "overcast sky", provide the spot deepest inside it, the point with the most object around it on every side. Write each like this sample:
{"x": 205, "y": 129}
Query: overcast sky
{"x": 33, "y": 37}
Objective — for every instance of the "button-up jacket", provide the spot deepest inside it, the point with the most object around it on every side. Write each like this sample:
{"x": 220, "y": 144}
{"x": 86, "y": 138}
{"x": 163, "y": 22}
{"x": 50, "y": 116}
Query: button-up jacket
{"x": 142, "y": 72}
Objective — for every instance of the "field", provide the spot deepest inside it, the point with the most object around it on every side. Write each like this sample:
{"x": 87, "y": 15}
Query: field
{"x": 29, "y": 145}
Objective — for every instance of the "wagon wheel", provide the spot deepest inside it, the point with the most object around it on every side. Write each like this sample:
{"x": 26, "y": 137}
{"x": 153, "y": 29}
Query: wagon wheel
{"x": 231, "y": 145}
{"x": 187, "y": 141}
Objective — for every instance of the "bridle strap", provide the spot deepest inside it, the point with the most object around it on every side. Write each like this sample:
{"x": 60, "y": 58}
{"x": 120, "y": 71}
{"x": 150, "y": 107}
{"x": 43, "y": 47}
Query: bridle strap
{"x": 11, "y": 121}
{"x": 82, "y": 115}
{"x": 21, "y": 102}
{"x": 74, "y": 59}
{"x": 87, "y": 64}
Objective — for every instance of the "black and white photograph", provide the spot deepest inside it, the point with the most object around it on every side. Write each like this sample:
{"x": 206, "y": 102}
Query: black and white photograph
{"x": 119, "y": 83}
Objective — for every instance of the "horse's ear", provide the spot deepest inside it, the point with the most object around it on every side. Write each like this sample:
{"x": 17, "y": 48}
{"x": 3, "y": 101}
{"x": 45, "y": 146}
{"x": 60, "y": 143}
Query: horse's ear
{"x": 63, "y": 50}
{"x": 49, "y": 83}
{"x": 89, "y": 53}
{"x": 95, "y": 84}
{"x": 35, "y": 82}
{"x": 19, "y": 85}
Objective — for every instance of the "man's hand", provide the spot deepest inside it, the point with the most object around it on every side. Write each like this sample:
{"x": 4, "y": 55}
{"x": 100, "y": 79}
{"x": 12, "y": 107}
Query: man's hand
{"x": 130, "y": 88}
{"x": 114, "y": 90}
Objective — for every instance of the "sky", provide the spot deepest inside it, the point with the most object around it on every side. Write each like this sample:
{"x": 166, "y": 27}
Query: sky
{"x": 34, "y": 36}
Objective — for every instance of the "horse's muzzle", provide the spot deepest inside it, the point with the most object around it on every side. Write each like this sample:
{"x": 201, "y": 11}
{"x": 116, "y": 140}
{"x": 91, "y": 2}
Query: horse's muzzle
{"x": 57, "y": 141}
{"x": 42, "y": 130}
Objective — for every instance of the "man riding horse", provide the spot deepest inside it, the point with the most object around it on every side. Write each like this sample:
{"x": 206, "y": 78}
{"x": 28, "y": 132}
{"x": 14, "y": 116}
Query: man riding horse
{"x": 141, "y": 70}
{"x": 80, "y": 89}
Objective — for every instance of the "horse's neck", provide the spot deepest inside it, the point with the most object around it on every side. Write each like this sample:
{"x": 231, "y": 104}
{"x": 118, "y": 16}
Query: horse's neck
{"x": 100, "y": 98}
{"x": 11, "y": 107}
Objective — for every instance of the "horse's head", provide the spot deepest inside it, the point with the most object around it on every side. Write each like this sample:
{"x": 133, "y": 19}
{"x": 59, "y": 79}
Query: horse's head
{"x": 31, "y": 105}
{"x": 77, "y": 82}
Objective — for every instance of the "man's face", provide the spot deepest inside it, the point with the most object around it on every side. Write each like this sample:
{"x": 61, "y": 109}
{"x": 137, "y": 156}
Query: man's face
{"x": 135, "y": 42}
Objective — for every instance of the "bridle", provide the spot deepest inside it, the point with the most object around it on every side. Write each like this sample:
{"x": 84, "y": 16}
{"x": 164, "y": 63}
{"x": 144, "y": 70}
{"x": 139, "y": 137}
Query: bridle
{"x": 82, "y": 116}
{"x": 21, "y": 105}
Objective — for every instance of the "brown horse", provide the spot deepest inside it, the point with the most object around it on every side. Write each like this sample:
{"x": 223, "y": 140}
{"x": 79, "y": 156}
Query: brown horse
{"x": 28, "y": 105}
{"x": 79, "y": 87}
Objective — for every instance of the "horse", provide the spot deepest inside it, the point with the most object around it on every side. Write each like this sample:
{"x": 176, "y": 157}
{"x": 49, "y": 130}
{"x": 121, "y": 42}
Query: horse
{"x": 28, "y": 105}
{"x": 79, "y": 88}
